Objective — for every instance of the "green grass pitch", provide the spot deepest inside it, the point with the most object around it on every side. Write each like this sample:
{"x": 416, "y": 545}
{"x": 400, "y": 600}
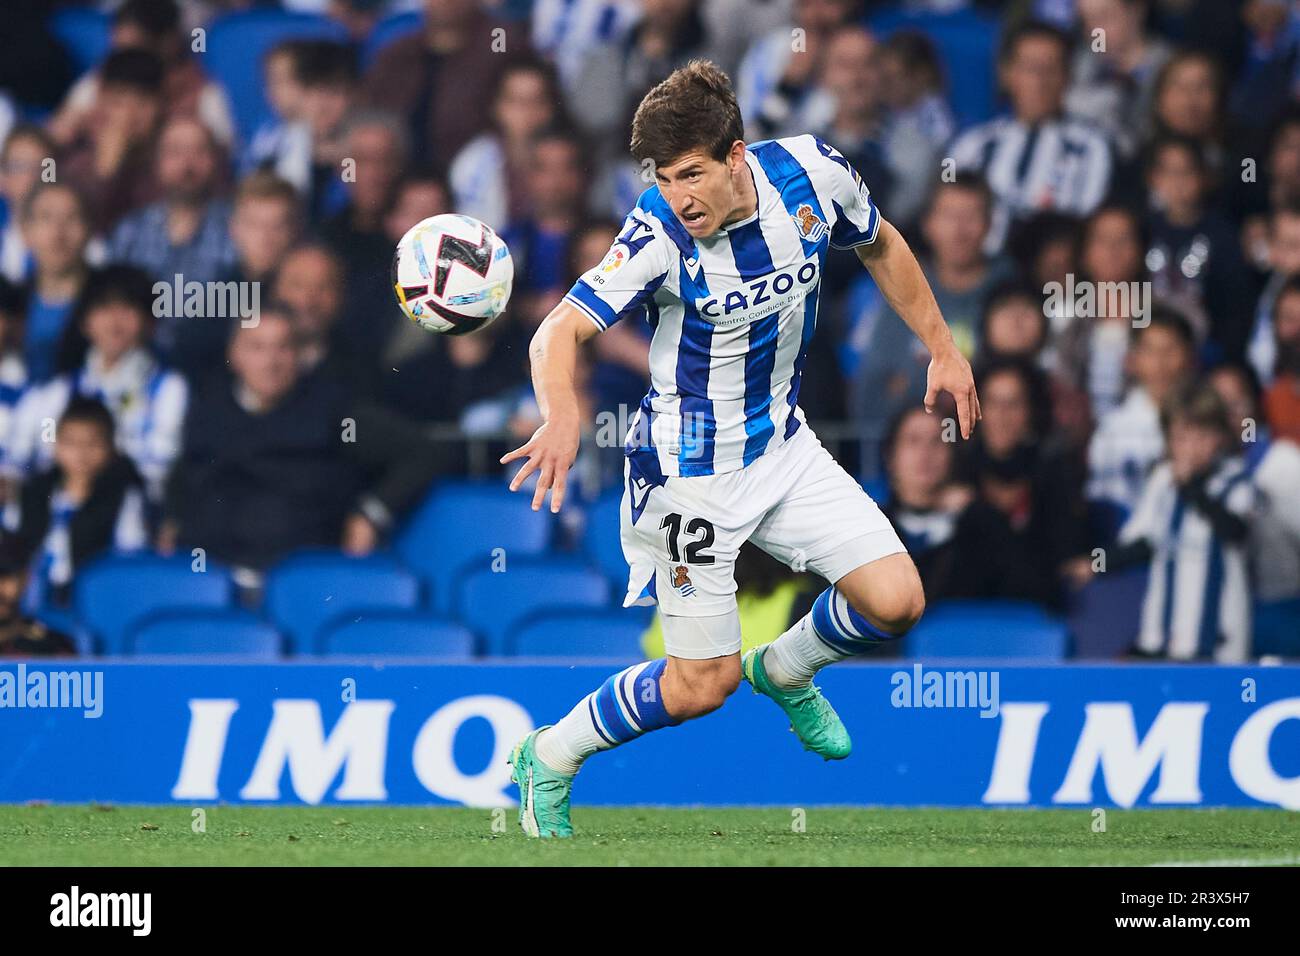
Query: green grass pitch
{"x": 396, "y": 836}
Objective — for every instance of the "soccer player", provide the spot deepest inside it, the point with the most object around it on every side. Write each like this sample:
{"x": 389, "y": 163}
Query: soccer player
{"x": 723, "y": 257}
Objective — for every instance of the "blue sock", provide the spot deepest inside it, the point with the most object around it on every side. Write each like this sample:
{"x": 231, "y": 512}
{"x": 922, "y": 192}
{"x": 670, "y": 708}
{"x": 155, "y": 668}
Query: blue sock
{"x": 831, "y": 632}
{"x": 627, "y": 705}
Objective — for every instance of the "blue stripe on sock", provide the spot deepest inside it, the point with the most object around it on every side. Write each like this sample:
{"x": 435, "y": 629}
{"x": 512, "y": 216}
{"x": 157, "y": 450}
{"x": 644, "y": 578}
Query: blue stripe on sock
{"x": 652, "y": 713}
{"x": 612, "y": 715}
{"x": 840, "y": 635}
{"x": 595, "y": 721}
{"x": 868, "y": 630}
{"x": 825, "y": 628}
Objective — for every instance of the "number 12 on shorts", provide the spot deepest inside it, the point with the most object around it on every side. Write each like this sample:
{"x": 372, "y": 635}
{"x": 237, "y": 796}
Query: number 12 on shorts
{"x": 672, "y": 528}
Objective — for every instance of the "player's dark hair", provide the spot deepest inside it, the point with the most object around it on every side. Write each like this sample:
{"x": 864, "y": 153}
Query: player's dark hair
{"x": 1034, "y": 30}
{"x": 89, "y": 411}
{"x": 138, "y": 70}
{"x": 695, "y": 108}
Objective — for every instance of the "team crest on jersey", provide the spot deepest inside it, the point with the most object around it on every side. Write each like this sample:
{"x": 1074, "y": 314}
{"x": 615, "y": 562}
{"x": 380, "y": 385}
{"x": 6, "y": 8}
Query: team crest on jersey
{"x": 810, "y": 224}
{"x": 682, "y": 581}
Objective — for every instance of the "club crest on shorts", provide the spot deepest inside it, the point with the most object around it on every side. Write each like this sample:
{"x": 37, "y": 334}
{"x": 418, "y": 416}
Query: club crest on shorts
{"x": 682, "y": 581}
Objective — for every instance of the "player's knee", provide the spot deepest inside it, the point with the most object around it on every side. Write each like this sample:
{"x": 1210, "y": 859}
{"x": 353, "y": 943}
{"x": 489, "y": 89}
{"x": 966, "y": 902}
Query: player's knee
{"x": 703, "y": 686}
{"x": 898, "y": 612}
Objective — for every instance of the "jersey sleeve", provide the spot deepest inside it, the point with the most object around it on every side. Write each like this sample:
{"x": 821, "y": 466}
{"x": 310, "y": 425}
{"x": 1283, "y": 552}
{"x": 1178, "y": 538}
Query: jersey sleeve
{"x": 624, "y": 281}
{"x": 857, "y": 220}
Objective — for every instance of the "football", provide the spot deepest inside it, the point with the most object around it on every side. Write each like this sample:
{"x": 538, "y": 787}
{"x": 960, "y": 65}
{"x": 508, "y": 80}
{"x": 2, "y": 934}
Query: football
{"x": 452, "y": 274}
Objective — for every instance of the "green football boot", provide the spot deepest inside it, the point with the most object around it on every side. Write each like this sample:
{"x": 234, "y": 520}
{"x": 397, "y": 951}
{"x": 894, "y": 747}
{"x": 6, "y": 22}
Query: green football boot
{"x": 543, "y": 793}
{"x": 812, "y": 718}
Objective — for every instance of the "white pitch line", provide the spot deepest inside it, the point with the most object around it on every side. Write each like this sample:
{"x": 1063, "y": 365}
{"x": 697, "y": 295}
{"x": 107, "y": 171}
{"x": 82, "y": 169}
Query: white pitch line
{"x": 1265, "y": 861}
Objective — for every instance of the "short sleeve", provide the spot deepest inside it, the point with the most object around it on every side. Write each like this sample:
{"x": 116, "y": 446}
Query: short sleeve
{"x": 857, "y": 220}
{"x": 624, "y": 281}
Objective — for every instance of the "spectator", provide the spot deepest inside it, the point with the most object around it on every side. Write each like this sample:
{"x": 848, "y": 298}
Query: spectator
{"x": 90, "y": 501}
{"x": 13, "y": 370}
{"x": 282, "y": 143}
{"x": 1014, "y": 327}
{"x": 886, "y": 362}
{"x": 1032, "y": 483}
{"x": 461, "y": 47}
{"x": 1284, "y": 260}
{"x": 1274, "y": 466}
{"x": 540, "y": 242}
{"x": 23, "y": 160}
{"x": 114, "y": 325}
{"x": 111, "y": 160}
{"x": 567, "y": 31}
{"x": 377, "y": 143}
{"x": 1129, "y": 440}
{"x": 274, "y": 461}
{"x": 1189, "y": 102}
{"x": 332, "y": 90}
{"x": 185, "y": 233}
{"x": 1111, "y": 298}
{"x": 852, "y": 119}
{"x": 1039, "y": 158}
{"x": 265, "y": 222}
{"x": 963, "y": 547}
{"x": 56, "y": 228}
{"x": 1282, "y": 398}
{"x": 1114, "y": 81}
{"x": 777, "y": 77}
{"x": 20, "y": 635}
{"x": 918, "y": 121}
{"x": 309, "y": 286}
{"x": 151, "y": 26}
{"x": 1193, "y": 254}
{"x": 489, "y": 176}
{"x": 1191, "y": 525}
{"x": 418, "y": 198}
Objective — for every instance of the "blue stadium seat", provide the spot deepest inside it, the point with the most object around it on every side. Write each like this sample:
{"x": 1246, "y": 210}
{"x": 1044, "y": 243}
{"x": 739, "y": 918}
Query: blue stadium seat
{"x": 238, "y": 41}
{"x": 1104, "y": 616}
{"x": 494, "y": 603}
{"x": 116, "y": 593}
{"x": 581, "y": 633}
{"x": 306, "y": 591}
{"x": 391, "y": 28}
{"x": 83, "y": 33}
{"x": 600, "y": 537}
{"x": 460, "y": 524}
{"x": 1277, "y": 628}
{"x": 989, "y": 629}
{"x": 228, "y": 633}
{"x": 398, "y": 634}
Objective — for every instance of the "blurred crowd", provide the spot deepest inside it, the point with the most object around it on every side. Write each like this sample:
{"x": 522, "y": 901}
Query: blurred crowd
{"x": 1115, "y": 244}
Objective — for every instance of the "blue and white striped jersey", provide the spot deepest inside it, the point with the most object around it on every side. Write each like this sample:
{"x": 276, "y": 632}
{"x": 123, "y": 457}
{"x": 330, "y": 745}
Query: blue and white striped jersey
{"x": 732, "y": 313}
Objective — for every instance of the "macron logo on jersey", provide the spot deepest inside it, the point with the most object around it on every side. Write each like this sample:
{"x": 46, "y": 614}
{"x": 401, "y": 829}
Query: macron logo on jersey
{"x": 760, "y": 297}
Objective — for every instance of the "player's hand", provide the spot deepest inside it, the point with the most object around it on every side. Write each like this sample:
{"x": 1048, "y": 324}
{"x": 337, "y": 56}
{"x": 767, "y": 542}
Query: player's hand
{"x": 550, "y": 452}
{"x": 950, "y": 372}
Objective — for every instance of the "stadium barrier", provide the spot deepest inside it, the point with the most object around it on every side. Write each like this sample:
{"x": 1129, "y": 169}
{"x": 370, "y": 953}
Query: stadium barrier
{"x": 964, "y": 734}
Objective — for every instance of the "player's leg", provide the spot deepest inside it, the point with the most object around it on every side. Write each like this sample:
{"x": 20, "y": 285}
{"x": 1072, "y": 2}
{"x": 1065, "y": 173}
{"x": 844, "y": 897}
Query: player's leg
{"x": 695, "y": 589}
{"x": 876, "y": 602}
{"x": 637, "y": 700}
{"x": 826, "y": 523}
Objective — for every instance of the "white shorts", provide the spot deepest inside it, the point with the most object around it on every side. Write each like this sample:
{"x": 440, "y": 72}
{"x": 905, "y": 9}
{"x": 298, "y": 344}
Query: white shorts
{"x": 795, "y": 502}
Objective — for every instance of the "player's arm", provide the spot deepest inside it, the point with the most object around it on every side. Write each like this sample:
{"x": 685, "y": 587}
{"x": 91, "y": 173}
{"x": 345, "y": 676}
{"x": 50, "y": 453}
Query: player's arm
{"x": 554, "y": 446}
{"x": 900, "y": 279}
